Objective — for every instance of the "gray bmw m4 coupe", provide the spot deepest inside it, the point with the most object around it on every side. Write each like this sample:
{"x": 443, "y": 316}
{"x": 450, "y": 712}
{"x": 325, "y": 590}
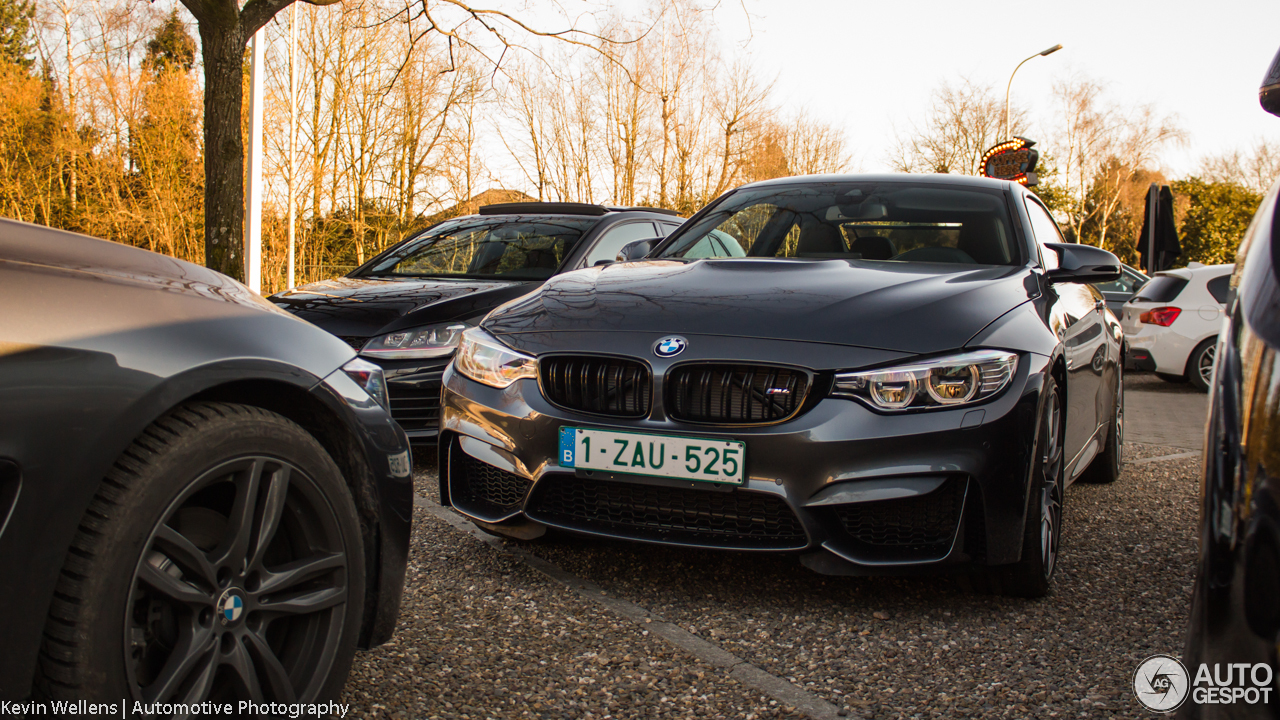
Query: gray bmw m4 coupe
{"x": 879, "y": 374}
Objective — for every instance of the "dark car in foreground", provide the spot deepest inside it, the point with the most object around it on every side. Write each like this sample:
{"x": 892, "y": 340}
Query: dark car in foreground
{"x": 893, "y": 373}
{"x": 406, "y": 308}
{"x": 1235, "y": 610}
{"x": 201, "y": 497}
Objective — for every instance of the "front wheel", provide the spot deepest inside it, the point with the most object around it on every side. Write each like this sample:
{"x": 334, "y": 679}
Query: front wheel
{"x": 221, "y": 559}
{"x": 1200, "y": 364}
{"x": 1032, "y": 576}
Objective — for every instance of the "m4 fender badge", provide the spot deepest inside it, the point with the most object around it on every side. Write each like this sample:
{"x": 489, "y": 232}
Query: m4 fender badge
{"x": 778, "y": 391}
{"x": 670, "y": 346}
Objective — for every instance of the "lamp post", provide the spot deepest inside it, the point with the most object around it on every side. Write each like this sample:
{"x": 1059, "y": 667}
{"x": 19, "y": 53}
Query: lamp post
{"x": 1008, "y": 130}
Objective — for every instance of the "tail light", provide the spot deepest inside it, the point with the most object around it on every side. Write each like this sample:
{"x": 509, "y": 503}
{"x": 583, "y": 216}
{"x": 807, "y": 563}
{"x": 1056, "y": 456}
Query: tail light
{"x": 1163, "y": 317}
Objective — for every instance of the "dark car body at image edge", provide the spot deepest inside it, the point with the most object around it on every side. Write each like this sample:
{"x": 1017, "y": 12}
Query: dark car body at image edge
{"x": 1235, "y": 605}
{"x": 99, "y": 342}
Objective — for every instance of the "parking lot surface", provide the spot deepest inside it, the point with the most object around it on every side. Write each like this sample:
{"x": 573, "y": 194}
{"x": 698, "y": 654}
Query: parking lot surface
{"x": 1164, "y": 413}
{"x": 574, "y": 628}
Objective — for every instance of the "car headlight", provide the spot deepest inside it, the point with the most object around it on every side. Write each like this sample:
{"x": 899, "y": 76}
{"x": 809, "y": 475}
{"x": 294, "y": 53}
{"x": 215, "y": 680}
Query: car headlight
{"x": 483, "y": 359}
{"x": 370, "y": 379}
{"x": 425, "y": 342}
{"x": 942, "y": 382}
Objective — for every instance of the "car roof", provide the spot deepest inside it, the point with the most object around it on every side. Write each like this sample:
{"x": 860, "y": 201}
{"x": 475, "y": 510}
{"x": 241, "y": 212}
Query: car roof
{"x": 924, "y": 179}
{"x": 1191, "y": 273}
{"x": 566, "y": 208}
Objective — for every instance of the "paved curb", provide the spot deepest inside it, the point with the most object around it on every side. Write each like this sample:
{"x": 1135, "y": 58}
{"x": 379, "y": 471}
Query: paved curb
{"x": 742, "y": 671}
{"x": 1162, "y": 458}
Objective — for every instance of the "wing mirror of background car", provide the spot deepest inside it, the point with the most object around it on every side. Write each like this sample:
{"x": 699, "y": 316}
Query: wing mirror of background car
{"x": 1083, "y": 264}
{"x": 637, "y": 249}
{"x": 1269, "y": 93}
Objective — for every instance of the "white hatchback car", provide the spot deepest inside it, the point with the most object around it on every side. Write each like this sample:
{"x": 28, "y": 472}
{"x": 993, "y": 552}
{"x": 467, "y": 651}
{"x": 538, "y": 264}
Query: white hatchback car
{"x": 1171, "y": 323}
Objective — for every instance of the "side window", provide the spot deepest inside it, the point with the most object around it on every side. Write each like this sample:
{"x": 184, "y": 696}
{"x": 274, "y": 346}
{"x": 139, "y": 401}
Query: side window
{"x": 1218, "y": 288}
{"x": 1046, "y": 231}
{"x": 668, "y": 228}
{"x": 614, "y": 238}
{"x": 1126, "y": 284}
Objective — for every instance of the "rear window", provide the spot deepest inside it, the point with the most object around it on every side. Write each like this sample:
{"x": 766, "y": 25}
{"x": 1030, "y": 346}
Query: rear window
{"x": 1161, "y": 289}
{"x": 1219, "y": 287}
{"x": 484, "y": 248}
{"x": 866, "y": 221}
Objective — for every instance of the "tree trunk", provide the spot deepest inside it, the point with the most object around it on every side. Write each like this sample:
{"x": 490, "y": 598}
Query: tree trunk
{"x": 223, "y": 50}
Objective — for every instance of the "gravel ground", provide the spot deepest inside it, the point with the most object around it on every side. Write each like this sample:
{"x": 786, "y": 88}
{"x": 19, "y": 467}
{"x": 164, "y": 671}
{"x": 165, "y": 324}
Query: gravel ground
{"x": 484, "y": 636}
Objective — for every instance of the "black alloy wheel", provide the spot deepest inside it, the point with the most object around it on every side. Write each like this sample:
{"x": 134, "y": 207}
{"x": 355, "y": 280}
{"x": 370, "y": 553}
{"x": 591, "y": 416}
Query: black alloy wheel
{"x": 1032, "y": 576}
{"x": 221, "y": 560}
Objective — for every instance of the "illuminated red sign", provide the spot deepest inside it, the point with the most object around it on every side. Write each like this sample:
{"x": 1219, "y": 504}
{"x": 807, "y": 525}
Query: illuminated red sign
{"x": 1012, "y": 160}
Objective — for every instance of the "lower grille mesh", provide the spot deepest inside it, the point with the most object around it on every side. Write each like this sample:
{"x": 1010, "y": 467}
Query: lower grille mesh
{"x": 924, "y": 522}
{"x": 707, "y": 517}
{"x": 479, "y": 481}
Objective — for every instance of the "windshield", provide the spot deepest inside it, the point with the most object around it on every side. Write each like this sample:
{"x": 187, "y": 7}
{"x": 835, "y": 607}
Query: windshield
{"x": 874, "y": 221}
{"x": 486, "y": 247}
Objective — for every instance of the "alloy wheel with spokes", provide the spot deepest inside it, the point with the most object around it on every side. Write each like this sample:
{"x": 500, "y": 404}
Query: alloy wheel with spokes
{"x": 246, "y": 559}
{"x": 1031, "y": 576}
{"x": 221, "y": 560}
{"x": 1205, "y": 363}
{"x": 1051, "y": 489}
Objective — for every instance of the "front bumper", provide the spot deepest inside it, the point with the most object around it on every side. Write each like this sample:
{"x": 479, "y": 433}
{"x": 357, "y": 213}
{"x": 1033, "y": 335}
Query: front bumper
{"x": 854, "y": 491}
{"x": 375, "y": 456}
{"x": 413, "y": 387}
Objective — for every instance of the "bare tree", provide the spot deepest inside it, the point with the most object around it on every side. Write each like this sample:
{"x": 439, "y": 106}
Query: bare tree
{"x": 964, "y": 121}
{"x": 1142, "y": 133}
{"x": 1256, "y": 168}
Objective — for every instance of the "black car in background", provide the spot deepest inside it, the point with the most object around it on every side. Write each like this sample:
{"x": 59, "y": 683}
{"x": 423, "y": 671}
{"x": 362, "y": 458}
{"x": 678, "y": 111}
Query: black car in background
{"x": 1117, "y": 292}
{"x": 889, "y": 373}
{"x": 201, "y": 497}
{"x": 1235, "y": 612}
{"x": 406, "y": 308}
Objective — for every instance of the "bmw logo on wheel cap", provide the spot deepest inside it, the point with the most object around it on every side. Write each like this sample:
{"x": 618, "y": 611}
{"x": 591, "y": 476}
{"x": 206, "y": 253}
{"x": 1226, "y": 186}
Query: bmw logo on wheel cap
{"x": 231, "y": 606}
{"x": 670, "y": 346}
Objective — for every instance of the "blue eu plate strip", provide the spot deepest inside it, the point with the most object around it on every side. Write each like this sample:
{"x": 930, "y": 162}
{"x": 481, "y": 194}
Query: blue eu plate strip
{"x": 566, "y": 446}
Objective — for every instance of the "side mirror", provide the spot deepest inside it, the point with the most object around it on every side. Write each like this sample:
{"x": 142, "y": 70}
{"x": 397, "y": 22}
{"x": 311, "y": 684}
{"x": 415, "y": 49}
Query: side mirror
{"x": 1083, "y": 264}
{"x": 1269, "y": 93}
{"x": 637, "y": 249}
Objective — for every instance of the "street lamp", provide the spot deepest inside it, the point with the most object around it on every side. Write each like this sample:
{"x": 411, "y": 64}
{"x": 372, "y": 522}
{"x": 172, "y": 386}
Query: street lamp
{"x": 1008, "y": 132}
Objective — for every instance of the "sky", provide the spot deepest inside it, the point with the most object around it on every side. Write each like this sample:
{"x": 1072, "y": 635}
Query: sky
{"x": 869, "y": 67}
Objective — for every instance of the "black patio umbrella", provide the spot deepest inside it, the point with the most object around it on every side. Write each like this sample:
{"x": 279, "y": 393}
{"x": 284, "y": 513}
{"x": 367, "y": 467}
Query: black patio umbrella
{"x": 1166, "y": 242}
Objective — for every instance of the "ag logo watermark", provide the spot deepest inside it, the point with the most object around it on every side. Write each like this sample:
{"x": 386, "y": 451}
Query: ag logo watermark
{"x": 1162, "y": 684}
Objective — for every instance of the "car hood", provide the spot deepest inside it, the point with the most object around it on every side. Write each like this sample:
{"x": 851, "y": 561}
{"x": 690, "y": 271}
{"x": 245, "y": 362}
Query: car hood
{"x": 361, "y": 307}
{"x": 901, "y": 307}
{"x": 37, "y": 246}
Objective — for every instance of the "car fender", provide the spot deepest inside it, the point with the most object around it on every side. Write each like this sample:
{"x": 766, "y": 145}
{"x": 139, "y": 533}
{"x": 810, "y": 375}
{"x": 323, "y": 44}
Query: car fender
{"x": 54, "y": 494}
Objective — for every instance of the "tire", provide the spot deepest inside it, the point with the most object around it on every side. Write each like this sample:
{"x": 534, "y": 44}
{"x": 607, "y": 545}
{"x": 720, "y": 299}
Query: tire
{"x": 166, "y": 597}
{"x": 1032, "y": 576}
{"x": 1105, "y": 467}
{"x": 1200, "y": 364}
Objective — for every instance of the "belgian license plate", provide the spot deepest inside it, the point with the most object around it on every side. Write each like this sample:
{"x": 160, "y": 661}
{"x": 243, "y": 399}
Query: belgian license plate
{"x": 685, "y": 458}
